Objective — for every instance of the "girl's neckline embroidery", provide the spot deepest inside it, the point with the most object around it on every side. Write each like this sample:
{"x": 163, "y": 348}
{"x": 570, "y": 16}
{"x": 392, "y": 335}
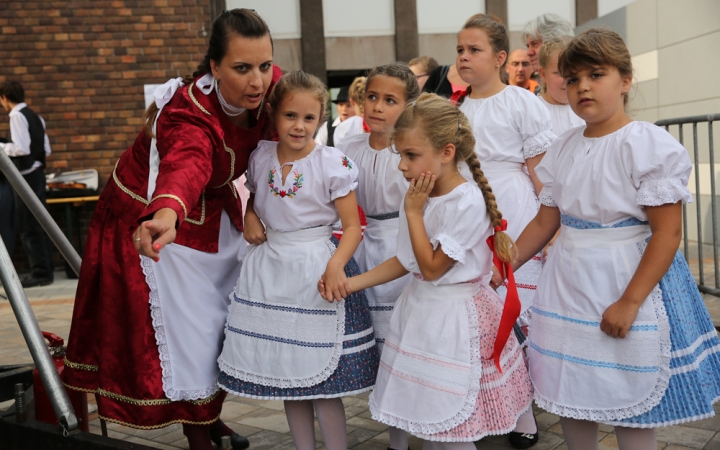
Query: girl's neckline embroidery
{"x": 282, "y": 193}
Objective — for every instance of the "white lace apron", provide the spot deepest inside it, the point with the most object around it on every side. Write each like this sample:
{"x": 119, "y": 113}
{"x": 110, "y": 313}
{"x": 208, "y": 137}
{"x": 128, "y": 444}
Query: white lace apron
{"x": 430, "y": 369}
{"x": 578, "y": 371}
{"x": 378, "y": 245}
{"x": 280, "y": 332}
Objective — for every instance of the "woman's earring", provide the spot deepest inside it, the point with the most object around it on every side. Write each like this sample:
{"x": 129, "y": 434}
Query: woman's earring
{"x": 444, "y": 163}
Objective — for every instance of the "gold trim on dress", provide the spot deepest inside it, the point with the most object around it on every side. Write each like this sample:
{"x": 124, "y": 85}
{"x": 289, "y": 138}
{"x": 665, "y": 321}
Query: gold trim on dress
{"x": 153, "y": 427}
{"x": 234, "y": 191}
{"x": 232, "y": 164}
{"x": 141, "y": 402}
{"x": 74, "y": 365}
{"x": 174, "y": 197}
{"x": 192, "y": 97}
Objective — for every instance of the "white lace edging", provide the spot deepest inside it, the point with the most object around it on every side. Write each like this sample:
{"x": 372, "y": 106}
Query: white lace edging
{"x": 538, "y": 144}
{"x": 668, "y": 423}
{"x": 342, "y": 192}
{"x": 449, "y": 246}
{"x": 477, "y": 437}
{"x": 546, "y": 197}
{"x": 304, "y": 397}
{"x": 470, "y": 401}
{"x": 161, "y": 341}
{"x": 662, "y": 192}
{"x": 607, "y": 415}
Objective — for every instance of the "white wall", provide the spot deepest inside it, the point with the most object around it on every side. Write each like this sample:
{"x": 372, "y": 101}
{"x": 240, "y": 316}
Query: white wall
{"x": 608, "y": 6}
{"x": 440, "y": 17}
{"x": 282, "y": 16}
{"x": 349, "y": 18}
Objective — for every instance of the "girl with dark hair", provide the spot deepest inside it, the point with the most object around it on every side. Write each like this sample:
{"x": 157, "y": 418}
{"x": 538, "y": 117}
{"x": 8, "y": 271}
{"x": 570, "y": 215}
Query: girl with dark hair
{"x": 148, "y": 321}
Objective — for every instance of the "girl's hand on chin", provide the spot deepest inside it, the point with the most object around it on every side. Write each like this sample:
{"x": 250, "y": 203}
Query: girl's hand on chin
{"x": 418, "y": 192}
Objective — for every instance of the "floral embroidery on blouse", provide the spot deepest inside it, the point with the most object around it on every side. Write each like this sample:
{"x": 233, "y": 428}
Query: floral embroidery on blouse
{"x": 346, "y": 162}
{"x": 291, "y": 192}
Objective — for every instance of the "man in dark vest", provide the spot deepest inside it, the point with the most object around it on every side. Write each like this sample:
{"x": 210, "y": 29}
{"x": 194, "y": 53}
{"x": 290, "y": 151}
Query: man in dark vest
{"x": 27, "y": 148}
{"x": 326, "y": 133}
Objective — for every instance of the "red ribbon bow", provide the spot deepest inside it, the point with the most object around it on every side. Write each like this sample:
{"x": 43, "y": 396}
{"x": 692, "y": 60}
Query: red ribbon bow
{"x": 457, "y": 96}
{"x": 511, "y": 310}
{"x": 366, "y": 127}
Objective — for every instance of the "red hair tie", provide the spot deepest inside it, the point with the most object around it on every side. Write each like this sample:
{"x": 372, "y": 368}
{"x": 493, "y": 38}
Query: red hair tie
{"x": 511, "y": 310}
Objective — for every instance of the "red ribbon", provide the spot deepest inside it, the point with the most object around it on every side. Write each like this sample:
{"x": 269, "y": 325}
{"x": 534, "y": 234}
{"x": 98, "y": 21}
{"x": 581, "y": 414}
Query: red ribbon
{"x": 511, "y": 310}
{"x": 366, "y": 127}
{"x": 457, "y": 96}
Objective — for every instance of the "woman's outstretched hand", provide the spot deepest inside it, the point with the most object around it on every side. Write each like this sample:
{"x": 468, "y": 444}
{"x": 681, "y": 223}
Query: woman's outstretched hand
{"x": 152, "y": 235}
{"x": 418, "y": 192}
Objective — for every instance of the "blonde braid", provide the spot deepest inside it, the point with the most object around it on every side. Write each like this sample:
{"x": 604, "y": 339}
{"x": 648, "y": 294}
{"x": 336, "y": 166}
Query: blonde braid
{"x": 504, "y": 245}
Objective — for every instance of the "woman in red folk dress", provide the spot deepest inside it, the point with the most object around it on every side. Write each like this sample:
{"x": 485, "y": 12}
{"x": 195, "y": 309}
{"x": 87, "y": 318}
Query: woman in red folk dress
{"x": 147, "y": 328}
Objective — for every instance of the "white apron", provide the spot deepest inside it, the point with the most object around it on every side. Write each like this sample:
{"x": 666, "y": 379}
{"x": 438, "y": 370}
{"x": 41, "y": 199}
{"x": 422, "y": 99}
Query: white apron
{"x": 430, "y": 369}
{"x": 578, "y": 371}
{"x": 188, "y": 303}
{"x": 378, "y": 245}
{"x": 280, "y": 332}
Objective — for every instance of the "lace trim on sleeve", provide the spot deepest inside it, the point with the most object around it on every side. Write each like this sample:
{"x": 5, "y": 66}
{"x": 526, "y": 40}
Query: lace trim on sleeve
{"x": 449, "y": 246}
{"x": 662, "y": 192}
{"x": 546, "y": 197}
{"x": 538, "y": 144}
{"x": 342, "y": 192}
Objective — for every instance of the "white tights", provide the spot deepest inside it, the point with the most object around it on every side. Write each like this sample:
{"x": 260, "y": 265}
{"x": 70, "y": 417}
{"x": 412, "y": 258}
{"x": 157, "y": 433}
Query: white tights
{"x": 583, "y": 435}
{"x": 331, "y": 418}
{"x": 398, "y": 439}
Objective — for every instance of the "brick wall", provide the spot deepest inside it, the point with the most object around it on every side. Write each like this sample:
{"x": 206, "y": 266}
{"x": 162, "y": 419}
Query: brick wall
{"x": 84, "y": 63}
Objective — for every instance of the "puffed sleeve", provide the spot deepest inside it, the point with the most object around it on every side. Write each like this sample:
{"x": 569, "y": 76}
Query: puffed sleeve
{"x": 660, "y": 168}
{"x": 534, "y": 123}
{"x": 462, "y": 225}
{"x": 545, "y": 171}
{"x": 185, "y": 148}
{"x": 340, "y": 171}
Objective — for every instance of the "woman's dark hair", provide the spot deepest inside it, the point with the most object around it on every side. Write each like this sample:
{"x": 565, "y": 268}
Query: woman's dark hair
{"x": 240, "y": 21}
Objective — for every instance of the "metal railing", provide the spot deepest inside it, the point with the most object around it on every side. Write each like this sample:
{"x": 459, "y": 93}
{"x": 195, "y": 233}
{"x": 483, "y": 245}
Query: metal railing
{"x": 700, "y": 212}
{"x": 21, "y": 306}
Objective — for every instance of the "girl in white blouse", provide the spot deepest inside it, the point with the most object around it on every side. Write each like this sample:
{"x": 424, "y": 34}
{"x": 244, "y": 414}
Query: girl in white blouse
{"x": 282, "y": 340}
{"x": 553, "y": 93}
{"x": 451, "y": 370}
{"x": 380, "y": 192}
{"x": 512, "y": 132}
{"x": 620, "y": 334}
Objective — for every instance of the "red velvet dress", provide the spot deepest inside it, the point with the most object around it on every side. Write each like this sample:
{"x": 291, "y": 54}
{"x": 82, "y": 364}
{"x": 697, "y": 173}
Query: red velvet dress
{"x": 112, "y": 349}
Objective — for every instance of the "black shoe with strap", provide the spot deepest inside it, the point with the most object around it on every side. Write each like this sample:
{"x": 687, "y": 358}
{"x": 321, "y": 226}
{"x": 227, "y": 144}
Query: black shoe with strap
{"x": 32, "y": 281}
{"x": 237, "y": 441}
{"x": 524, "y": 440}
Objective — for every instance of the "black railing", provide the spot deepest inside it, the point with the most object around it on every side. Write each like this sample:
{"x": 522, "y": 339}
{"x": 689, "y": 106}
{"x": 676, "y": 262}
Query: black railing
{"x": 701, "y": 241}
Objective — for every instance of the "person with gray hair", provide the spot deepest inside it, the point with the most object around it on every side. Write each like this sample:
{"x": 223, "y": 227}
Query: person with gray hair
{"x": 543, "y": 28}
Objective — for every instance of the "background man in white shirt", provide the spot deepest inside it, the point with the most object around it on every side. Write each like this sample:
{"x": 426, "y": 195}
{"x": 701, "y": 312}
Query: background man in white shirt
{"x": 27, "y": 148}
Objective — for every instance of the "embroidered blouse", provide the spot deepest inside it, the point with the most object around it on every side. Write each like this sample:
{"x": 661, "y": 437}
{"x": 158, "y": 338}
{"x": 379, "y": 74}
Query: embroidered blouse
{"x": 512, "y": 125}
{"x": 382, "y": 186}
{"x": 305, "y": 198}
{"x": 613, "y": 177}
{"x": 459, "y": 222}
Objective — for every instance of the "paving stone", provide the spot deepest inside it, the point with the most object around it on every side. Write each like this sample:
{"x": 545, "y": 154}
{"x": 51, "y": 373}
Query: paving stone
{"x": 234, "y": 410}
{"x": 367, "y": 424}
{"x": 545, "y": 420}
{"x": 267, "y": 419}
{"x": 271, "y": 440}
{"x": 243, "y": 430}
{"x": 360, "y": 435}
{"x": 714, "y": 443}
{"x": 682, "y": 435}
